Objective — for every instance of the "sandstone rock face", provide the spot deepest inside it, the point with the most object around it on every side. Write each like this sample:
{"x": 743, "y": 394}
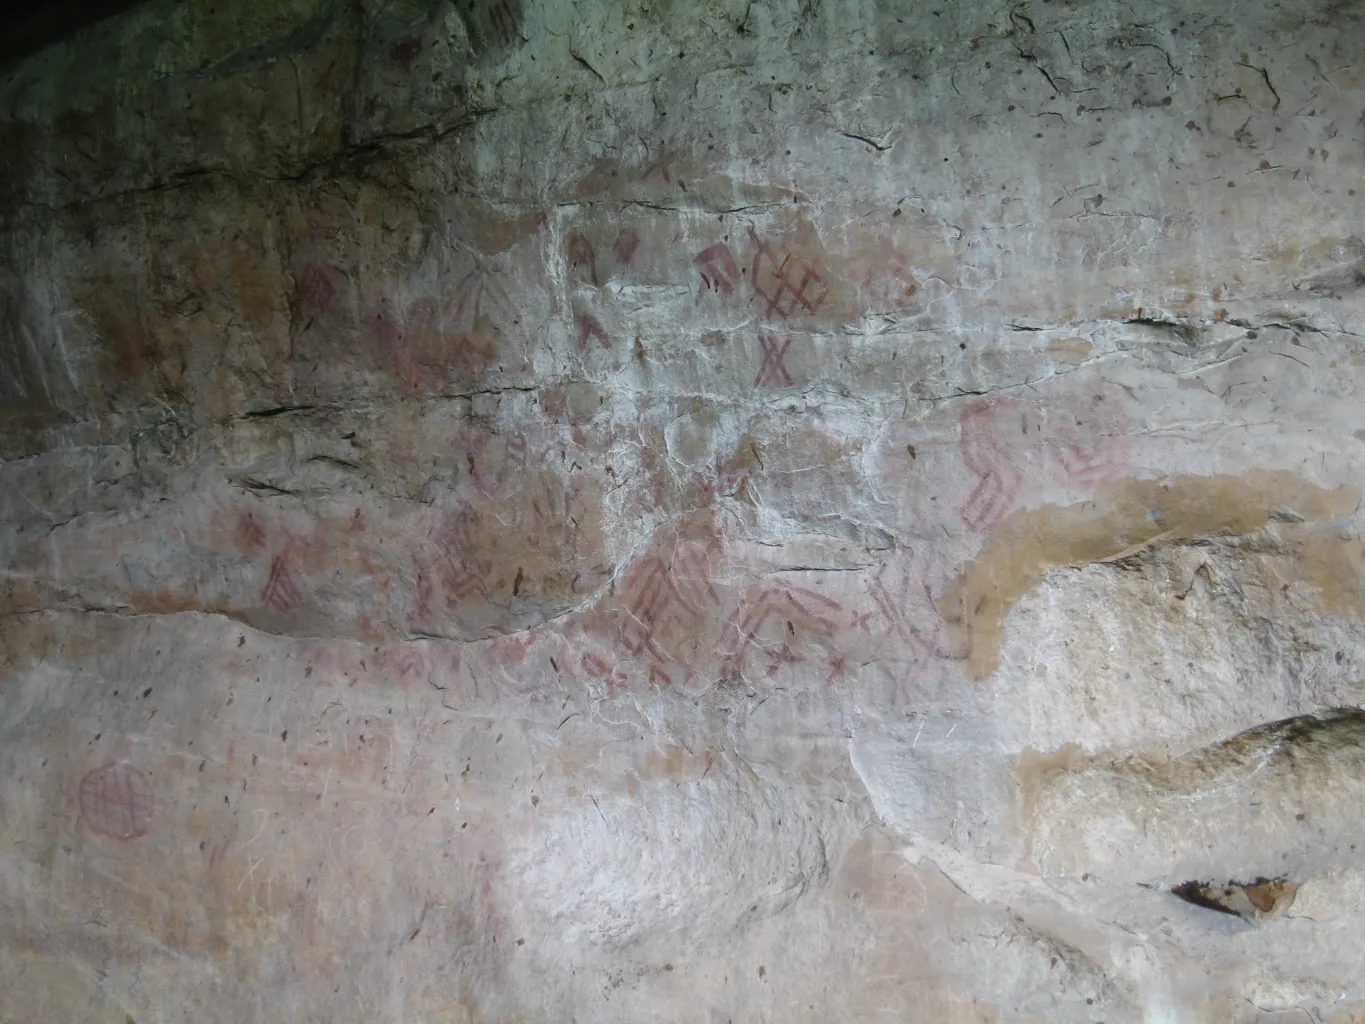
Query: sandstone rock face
{"x": 711, "y": 511}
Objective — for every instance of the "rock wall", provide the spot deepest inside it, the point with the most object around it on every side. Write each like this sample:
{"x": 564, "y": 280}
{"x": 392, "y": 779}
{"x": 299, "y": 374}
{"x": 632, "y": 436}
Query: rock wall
{"x": 720, "y": 511}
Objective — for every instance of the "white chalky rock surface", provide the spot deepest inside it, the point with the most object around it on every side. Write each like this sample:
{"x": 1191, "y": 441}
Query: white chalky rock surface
{"x": 720, "y": 511}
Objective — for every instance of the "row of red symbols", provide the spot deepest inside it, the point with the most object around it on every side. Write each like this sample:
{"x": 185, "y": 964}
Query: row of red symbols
{"x": 497, "y": 469}
{"x": 581, "y": 256}
{"x": 668, "y": 601}
{"x": 422, "y": 337}
{"x": 800, "y": 614}
{"x": 477, "y": 293}
{"x": 1000, "y": 437}
{"x": 283, "y": 592}
{"x": 783, "y": 281}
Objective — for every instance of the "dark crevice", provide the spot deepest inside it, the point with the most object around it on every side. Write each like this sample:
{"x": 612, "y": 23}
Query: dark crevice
{"x": 1195, "y": 892}
{"x": 1262, "y": 896}
{"x": 282, "y": 410}
{"x": 333, "y": 461}
{"x": 585, "y": 64}
{"x": 261, "y": 487}
{"x": 1186, "y": 332}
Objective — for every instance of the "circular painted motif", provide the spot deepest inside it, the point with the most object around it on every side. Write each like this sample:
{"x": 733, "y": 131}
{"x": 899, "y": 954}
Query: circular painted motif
{"x": 116, "y": 800}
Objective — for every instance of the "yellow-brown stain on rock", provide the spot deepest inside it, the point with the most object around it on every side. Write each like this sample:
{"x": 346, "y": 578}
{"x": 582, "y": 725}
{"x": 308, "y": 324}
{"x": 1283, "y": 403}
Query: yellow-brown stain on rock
{"x": 1124, "y": 517}
{"x": 1073, "y": 350}
{"x": 1331, "y": 563}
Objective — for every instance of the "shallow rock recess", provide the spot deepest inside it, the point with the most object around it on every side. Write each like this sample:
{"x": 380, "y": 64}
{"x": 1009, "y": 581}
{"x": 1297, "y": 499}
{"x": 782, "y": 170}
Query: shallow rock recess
{"x": 721, "y": 511}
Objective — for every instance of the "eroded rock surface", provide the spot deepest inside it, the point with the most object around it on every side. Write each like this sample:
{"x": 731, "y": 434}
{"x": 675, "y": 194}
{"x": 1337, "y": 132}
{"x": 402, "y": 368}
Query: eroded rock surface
{"x": 736, "y": 510}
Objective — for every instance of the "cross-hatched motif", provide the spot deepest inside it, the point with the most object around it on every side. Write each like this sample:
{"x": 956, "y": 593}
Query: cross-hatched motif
{"x": 785, "y": 284}
{"x": 116, "y": 801}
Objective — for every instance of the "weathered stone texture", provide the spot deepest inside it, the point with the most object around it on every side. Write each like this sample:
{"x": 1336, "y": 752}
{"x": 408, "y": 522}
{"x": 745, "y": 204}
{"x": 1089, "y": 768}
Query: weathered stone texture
{"x": 727, "y": 510}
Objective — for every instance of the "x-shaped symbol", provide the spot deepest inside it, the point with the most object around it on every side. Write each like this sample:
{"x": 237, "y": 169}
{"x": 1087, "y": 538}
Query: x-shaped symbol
{"x": 773, "y": 371}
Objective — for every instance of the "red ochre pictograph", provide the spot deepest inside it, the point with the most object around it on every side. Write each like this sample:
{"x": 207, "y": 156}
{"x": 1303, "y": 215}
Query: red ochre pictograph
{"x": 116, "y": 801}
